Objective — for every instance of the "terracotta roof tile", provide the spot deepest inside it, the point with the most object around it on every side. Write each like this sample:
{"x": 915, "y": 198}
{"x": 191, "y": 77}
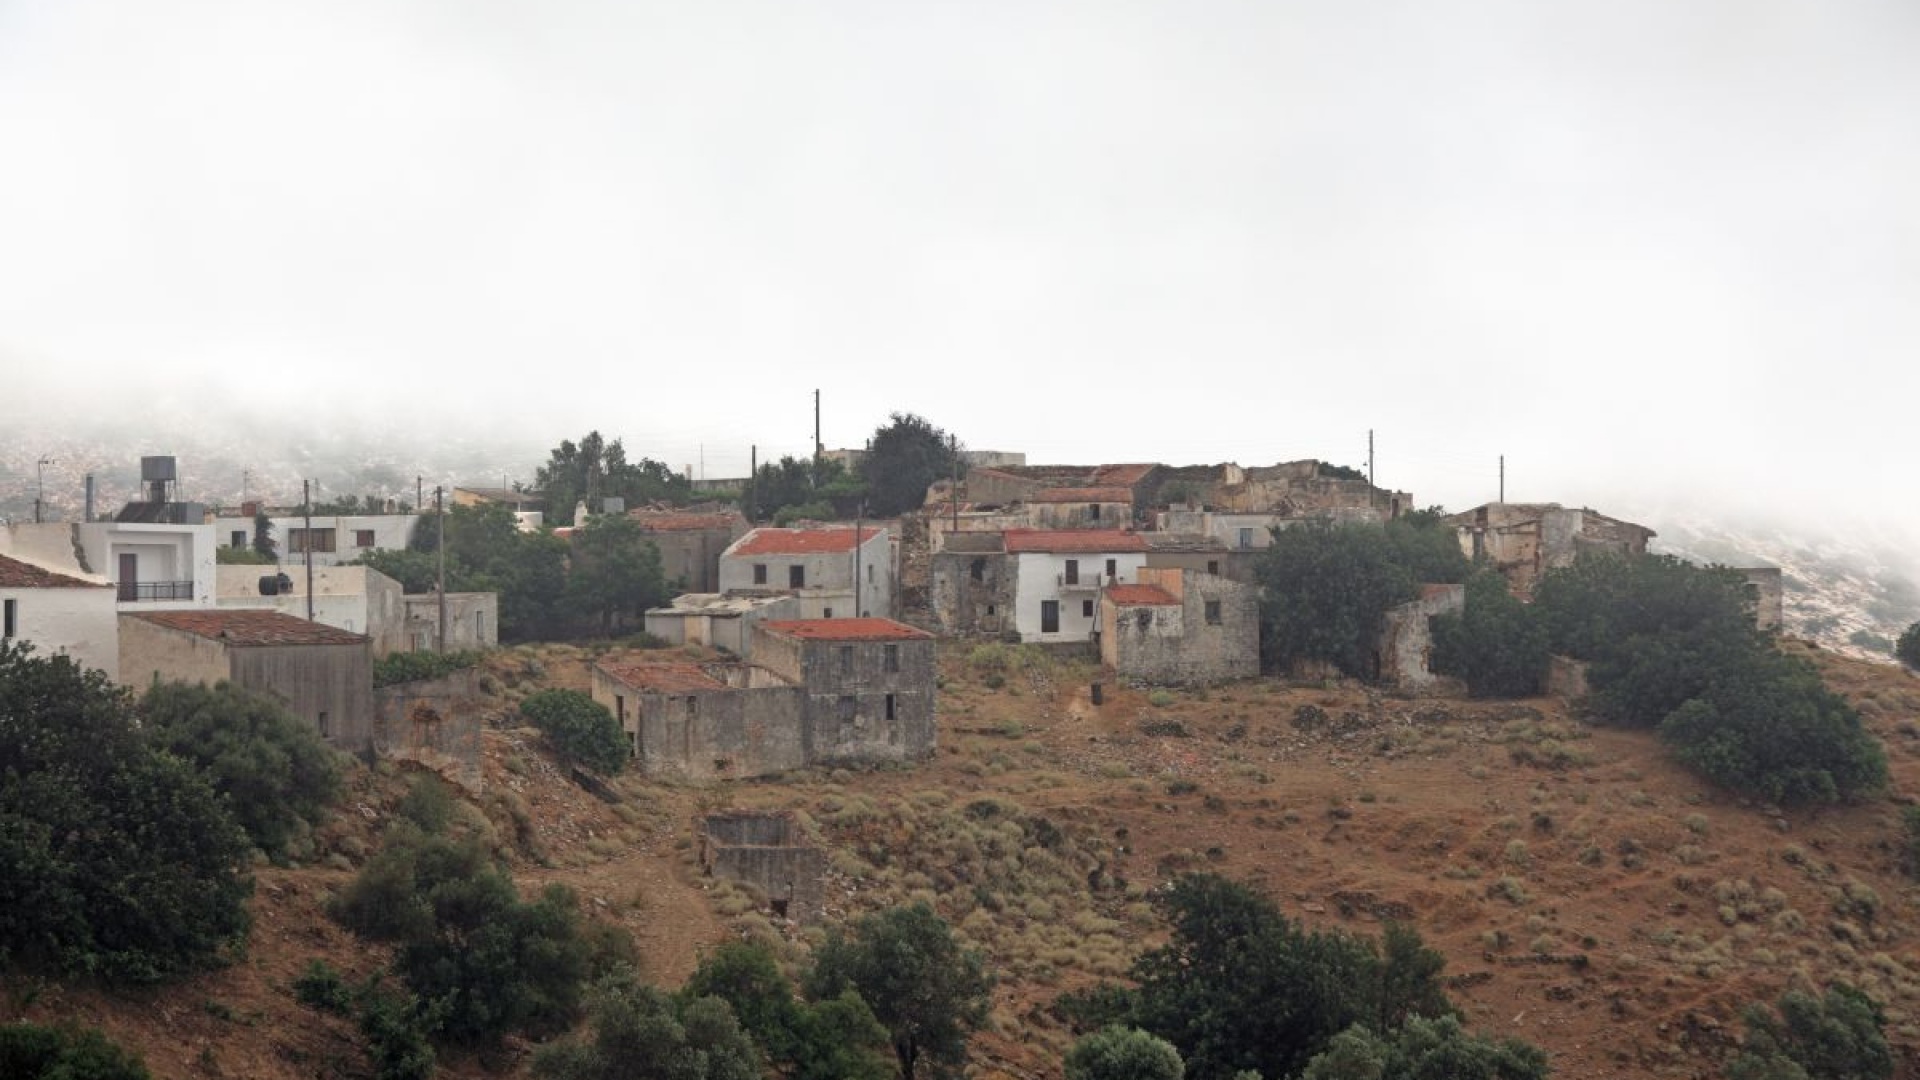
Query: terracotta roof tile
{"x": 662, "y": 677}
{"x": 845, "y": 629}
{"x": 252, "y": 627}
{"x": 1073, "y": 540}
{"x": 15, "y": 574}
{"x": 1121, "y": 474}
{"x": 1139, "y": 594}
{"x": 1106, "y": 494}
{"x": 799, "y": 541}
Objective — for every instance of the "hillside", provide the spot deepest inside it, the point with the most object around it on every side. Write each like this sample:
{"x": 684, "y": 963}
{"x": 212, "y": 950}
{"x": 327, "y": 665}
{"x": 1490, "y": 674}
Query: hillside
{"x": 1589, "y": 896}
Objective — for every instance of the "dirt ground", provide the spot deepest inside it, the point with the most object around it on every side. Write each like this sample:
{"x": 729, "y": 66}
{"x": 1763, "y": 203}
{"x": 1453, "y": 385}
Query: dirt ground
{"x": 1589, "y": 896}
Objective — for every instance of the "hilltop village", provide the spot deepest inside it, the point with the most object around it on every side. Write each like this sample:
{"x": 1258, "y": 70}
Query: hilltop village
{"x": 1051, "y": 711}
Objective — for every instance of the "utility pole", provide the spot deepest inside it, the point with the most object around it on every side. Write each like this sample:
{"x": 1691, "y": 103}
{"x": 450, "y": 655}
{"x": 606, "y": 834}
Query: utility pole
{"x": 1503, "y": 478}
{"x": 753, "y": 481}
{"x": 819, "y": 448}
{"x": 40, "y": 496}
{"x": 440, "y": 567}
{"x": 953, "y": 451}
{"x": 857, "y": 591}
{"x": 419, "y": 496}
{"x": 306, "y": 506}
{"x": 1371, "y": 489}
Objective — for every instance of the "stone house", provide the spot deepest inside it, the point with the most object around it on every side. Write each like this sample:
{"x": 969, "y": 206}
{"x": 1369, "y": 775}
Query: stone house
{"x": 1522, "y": 541}
{"x": 820, "y": 691}
{"x": 1180, "y": 626}
{"x": 831, "y": 570}
{"x": 59, "y": 614}
{"x": 1008, "y": 485}
{"x": 722, "y": 621}
{"x": 1293, "y": 489}
{"x": 1404, "y": 652}
{"x": 691, "y": 542}
{"x": 1195, "y": 551}
{"x": 325, "y": 675}
{"x": 972, "y": 585}
{"x": 1058, "y": 575}
{"x": 1109, "y": 507}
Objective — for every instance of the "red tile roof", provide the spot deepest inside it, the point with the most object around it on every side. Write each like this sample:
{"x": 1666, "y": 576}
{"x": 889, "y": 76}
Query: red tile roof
{"x": 1108, "y": 494}
{"x": 1139, "y": 594}
{"x": 800, "y": 541}
{"x": 1073, "y": 540}
{"x": 680, "y": 521}
{"x": 15, "y": 574}
{"x": 662, "y": 677}
{"x": 1121, "y": 474}
{"x": 845, "y": 629}
{"x": 252, "y": 627}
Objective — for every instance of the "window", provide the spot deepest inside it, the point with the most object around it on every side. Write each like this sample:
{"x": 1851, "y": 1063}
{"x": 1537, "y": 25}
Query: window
{"x": 978, "y": 569}
{"x": 693, "y": 706}
{"x": 1113, "y": 568}
{"x": 1073, "y": 571}
{"x": 620, "y": 708}
{"x": 846, "y": 659}
{"x": 1093, "y": 511}
{"x": 1213, "y": 613}
{"x": 827, "y": 614}
{"x": 479, "y": 627}
{"x": 869, "y": 573}
{"x": 12, "y": 621}
{"x": 846, "y": 708}
{"x": 1213, "y": 566}
{"x": 759, "y": 573}
{"x": 1246, "y": 538}
{"x": 363, "y": 538}
{"x": 893, "y": 657}
{"x": 796, "y": 577}
{"x": 298, "y": 540}
{"x": 326, "y": 727}
{"x": 1086, "y": 608}
{"x": 889, "y": 708}
{"x": 237, "y": 538}
{"x": 990, "y": 609}
{"x": 1049, "y": 616}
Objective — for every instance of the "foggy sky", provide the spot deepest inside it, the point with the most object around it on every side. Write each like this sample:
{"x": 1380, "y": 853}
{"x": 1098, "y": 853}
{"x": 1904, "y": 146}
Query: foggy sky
{"x": 1655, "y": 253}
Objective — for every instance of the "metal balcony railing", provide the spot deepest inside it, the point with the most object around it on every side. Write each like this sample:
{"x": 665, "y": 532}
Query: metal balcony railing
{"x": 1088, "y": 582}
{"x": 135, "y": 592}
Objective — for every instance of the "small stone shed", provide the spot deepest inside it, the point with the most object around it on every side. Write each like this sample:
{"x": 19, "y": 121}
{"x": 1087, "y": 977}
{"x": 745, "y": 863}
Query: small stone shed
{"x": 1180, "y": 626}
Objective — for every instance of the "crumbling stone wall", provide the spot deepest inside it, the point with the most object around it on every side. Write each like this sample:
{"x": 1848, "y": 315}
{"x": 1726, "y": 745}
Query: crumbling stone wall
{"x": 971, "y": 592}
{"x": 1179, "y": 643}
{"x": 1406, "y": 641}
{"x": 767, "y": 851}
{"x": 435, "y": 722}
{"x": 1767, "y": 589}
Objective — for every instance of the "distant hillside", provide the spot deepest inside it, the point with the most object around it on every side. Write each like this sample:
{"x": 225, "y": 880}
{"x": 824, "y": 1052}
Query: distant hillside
{"x": 1852, "y": 594}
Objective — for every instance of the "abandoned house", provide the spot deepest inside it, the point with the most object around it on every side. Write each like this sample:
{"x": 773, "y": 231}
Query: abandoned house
{"x": 972, "y": 584}
{"x": 1108, "y": 507}
{"x": 722, "y": 621}
{"x": 1522, "y": 541}
{"x": 59, "y": 614}
{"x": 1291, "y": 490}
{"x": 1176, "y": 626}
{"x": 1106, "y": 486}
{"x": 830, "y": 573}
{"x": 1404, "y": 654}
{"x": 324, "y": 674}
{"x": 690, "y": 543}
{"x": 1058, "y": 575}
{"x": 820, "y": 691}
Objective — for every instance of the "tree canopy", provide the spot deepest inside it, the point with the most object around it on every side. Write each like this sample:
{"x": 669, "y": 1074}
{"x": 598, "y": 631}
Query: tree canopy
{"x": 117, "y": 859}
{"x": 1425, "y": 1049}
{"x": 1907, "y": 649}
{"x": 928, "y": 992}
{"x": 1836, "y": 1036}
{"x": 1123, "y": 1053}
{"x": 905, "y": 456}
{"x": 594, "y": 468}
{"x": 1495, "y": 645}
{"x": 614, "y": 571}
{"x": 642, "y": 1033}
{"x": 580, "y": 728}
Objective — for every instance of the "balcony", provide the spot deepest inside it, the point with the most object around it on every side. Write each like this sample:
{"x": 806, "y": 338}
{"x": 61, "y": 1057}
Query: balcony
{"x": 139, "y": 592}
{"x": 1082, "y": 582}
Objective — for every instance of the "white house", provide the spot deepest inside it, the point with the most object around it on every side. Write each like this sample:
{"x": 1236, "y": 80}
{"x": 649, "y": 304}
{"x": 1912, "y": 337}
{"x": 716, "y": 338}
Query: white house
{"x": 334, "y": 538}
{"x": 1058, "y": 575}
{"x": 58, "y": 613}
{"x": 361, "y": 600}
{"x": 823, "y": 567}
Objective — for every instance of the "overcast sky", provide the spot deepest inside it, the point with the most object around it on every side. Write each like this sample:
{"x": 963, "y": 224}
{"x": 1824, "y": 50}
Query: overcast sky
{"x": 1647, "y": 250}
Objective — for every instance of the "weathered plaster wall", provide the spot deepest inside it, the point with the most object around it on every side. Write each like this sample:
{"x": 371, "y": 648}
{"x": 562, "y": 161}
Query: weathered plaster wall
{"x": 81, "y": 622}
{"x": 149, "y": 652}
{"x": 972, "y": 594}
{"x": 435, "y": 722}
{"x": 1167, "y": 643}
{"x": 329, "y": 686}
{"x": 1406, "y": 642}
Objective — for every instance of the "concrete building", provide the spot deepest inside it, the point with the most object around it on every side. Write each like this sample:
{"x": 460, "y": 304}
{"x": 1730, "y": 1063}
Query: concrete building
{"x": 325, "y": 675}
{"x": 819, "y": 566}
{"x": 1767, "y": 589}
{"x": 719, "y": 620}
{"x": 1403, "y": 657}
{"x": 820, "y": 691}
{"x": 1179, "y": 626}
{"x": 334, "y": 538}
{"x": 362, "y": 600}
{"x": 60, "y": 614}
{"x": 1109, "y": 507}
{"x": 691, "y": 543}
{"x": 1058, "y": 575}
{"x": 1522, "y": 541}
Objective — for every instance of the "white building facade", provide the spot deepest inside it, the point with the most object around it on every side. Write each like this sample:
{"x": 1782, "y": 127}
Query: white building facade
{"x": 1058, "y": 575}
{"x": 833, "y": 574}
{"x": 59, "y": 614}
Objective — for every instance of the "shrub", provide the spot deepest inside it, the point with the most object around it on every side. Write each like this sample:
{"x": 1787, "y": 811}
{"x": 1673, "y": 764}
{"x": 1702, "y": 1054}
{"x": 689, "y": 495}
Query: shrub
{"x": 116, "y": 860}
{"x": 428, "y": 804}
{"x": 580, "y": 728}
{"x": 1120, "y": 1053}
{"x": 34, "y": 1052}
{"x": 641, "y": 1033}
{"x": 1426, "y": 1049}
{"x": 400, "y": 667}
{"x": 1907, "y": 649}
{"x": 321, "y": 987}
{"x": 1496, "y": 645}
{"x": 277, "y": 774}
{"x": 1837, "y": 1036}
{"x": 927, "y": 992}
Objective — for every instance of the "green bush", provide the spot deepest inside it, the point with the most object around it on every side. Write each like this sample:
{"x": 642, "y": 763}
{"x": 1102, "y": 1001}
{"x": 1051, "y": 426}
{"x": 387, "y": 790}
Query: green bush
{"x": 401, "y": 667}
{"x": 641, "y": 1033}
{"x": 116, "y": 859}
{"x": 1425, "y": 1049}
{"x": 1496, "y": 645}
{"x": 1837, "y": 1036}
{"x": 34, "y": 1052}
{"x": 488, "y": 962}
{"x": 1120, "y": 1053}
{"x": 927, "y": 991}
{"x": 276, "y": 773}
{"x": 428, "y": 804}
{"x": 321, "y": 987}
{"x": 837, "y": 1039}
{"x": 1907, "y": 649}
{"x": 580, "y": 728}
